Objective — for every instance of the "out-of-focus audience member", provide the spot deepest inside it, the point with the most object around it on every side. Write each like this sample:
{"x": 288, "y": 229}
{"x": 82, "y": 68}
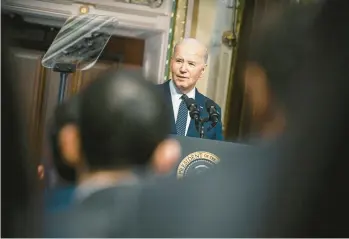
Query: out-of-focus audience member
{"x": 268, "y": 80}
{"x": 123, "y": 126}
{"x": 123, "y": 123}
{"x": 20, "y": 201}
{"x": 65, "y": 117}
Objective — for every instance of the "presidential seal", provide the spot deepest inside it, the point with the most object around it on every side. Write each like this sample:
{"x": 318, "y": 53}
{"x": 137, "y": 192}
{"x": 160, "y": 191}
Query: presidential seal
{"x": 196, "y": 163}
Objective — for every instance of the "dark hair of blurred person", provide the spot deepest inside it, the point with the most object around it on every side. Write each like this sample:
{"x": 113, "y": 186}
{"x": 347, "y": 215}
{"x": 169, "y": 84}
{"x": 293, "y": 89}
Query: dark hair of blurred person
{"x": 269, "y": 80}
{"x": 123, "y": 125}
{"x": 125, "y": 116}
{"x": 20, "y": 186}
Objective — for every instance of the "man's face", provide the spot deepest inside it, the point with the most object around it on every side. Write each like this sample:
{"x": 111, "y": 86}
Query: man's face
{"x": 187, "y": 66}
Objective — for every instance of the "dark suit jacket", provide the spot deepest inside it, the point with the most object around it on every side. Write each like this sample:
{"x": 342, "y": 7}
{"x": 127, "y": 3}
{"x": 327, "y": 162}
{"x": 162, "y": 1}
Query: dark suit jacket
{"x": 210, "y": 132}
{"x": 107, "y": 213}
{"x": 59, "y": 198}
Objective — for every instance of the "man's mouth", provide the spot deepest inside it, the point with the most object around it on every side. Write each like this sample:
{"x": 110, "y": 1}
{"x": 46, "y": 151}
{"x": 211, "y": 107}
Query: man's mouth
{"x": 182, "y": 77}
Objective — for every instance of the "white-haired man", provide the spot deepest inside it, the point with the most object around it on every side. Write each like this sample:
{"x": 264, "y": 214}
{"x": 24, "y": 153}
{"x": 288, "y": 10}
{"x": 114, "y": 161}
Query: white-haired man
{"x": 188, "y": 65}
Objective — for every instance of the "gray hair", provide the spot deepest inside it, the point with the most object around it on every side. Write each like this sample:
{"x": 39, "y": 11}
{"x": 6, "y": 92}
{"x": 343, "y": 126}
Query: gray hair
{"x": 193, "y": 40}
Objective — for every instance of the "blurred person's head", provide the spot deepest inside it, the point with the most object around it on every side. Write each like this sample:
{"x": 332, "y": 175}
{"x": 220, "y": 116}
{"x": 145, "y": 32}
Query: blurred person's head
{"x": 188, "y": 63}
{"x": 123, "y": 124}
{"x": 65, "y": 118}
{"x": 280, "y": 47}
{"x": 301, "y": 58}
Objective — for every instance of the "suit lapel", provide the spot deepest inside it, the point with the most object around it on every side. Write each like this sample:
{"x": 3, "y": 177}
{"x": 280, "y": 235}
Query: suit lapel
{"x": 192, "y": 131}
{"x": 169, "y": 100}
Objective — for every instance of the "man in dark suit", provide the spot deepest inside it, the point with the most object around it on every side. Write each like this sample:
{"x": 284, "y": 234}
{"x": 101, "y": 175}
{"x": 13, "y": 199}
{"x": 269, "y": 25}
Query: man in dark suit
{"x": 188, "y": 65}
{"x": 119, "y": 139}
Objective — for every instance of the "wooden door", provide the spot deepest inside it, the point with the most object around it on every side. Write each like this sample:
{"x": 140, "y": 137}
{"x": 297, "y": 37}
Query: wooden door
{"x": 31, "y": 84}
{"x": 83, "y": 78}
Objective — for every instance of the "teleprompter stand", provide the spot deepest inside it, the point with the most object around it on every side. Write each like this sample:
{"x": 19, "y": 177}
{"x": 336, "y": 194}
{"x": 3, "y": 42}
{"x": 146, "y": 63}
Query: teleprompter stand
{"x": 64, "y": 69}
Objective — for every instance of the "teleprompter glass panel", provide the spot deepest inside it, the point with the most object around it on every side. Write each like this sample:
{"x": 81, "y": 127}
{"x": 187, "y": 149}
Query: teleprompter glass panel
{"x": 80, "y": 41}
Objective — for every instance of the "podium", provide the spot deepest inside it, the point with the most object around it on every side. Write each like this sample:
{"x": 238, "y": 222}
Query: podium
{"x": 199, "y": 155}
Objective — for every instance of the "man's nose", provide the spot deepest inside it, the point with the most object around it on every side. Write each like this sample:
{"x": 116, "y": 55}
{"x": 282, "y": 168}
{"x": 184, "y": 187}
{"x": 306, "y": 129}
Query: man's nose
{"x": 183, "y": 68}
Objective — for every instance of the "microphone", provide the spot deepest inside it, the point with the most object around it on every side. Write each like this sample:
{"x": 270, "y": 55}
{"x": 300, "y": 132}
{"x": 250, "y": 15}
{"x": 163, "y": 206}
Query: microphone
{"x": 192, "y": 107}
{"x": 212, "y": 111}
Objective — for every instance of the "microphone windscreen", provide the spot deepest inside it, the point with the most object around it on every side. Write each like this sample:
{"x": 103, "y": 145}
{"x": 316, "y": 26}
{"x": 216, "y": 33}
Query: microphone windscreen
{"x": 209, "y": 104}
{"x": 190, "y": 102}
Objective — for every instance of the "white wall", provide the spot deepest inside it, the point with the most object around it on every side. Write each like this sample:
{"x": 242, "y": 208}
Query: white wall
{"x": 213, "y": 18}
{"x": 202, "y": 26}
{"x": 155, "y": 57}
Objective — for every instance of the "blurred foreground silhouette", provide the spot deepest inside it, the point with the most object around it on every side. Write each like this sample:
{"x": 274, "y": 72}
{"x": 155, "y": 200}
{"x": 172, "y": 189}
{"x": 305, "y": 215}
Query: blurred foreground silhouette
{"x": 297, "y": 186}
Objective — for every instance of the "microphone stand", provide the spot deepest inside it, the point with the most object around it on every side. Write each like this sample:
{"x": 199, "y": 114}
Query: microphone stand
{"x": 64, "y": 69}
{"x": 200, "y": 126}
{"x": 194, "y": 113}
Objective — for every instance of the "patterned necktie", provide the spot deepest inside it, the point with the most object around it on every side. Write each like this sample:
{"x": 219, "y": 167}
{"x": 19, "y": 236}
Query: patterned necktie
{"x": 181, "y": 122}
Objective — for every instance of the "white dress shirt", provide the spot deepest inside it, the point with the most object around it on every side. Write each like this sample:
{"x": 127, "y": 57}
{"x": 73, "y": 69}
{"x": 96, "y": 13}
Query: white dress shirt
{"x": 176, "y": 101}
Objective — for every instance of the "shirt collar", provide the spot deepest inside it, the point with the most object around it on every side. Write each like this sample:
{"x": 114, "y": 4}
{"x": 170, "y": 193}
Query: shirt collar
{"x": 175, "y": 92}
{"x": 86, "y": 189}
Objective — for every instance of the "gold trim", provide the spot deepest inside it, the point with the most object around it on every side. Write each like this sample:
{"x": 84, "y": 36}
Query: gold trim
{"x": 74, "y": 84}
{"x": 179, "y": 26}
{"x": 194, "y": 20}
{"x": 79, "y": 81}
{"x": 37, "y": 118}
{"x": 239, "y": 13}
{"x": 180, "y": 20}
{"x": 190, "y": 158}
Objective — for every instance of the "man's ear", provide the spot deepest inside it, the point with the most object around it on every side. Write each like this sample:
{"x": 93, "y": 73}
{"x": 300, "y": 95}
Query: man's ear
{"x": 69, "y": 144}
{"x": 203, "y": 71}
{"x": 257, "y": 88}
{"x": 166, "y": 156}
{"x": 41, "y": 172}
